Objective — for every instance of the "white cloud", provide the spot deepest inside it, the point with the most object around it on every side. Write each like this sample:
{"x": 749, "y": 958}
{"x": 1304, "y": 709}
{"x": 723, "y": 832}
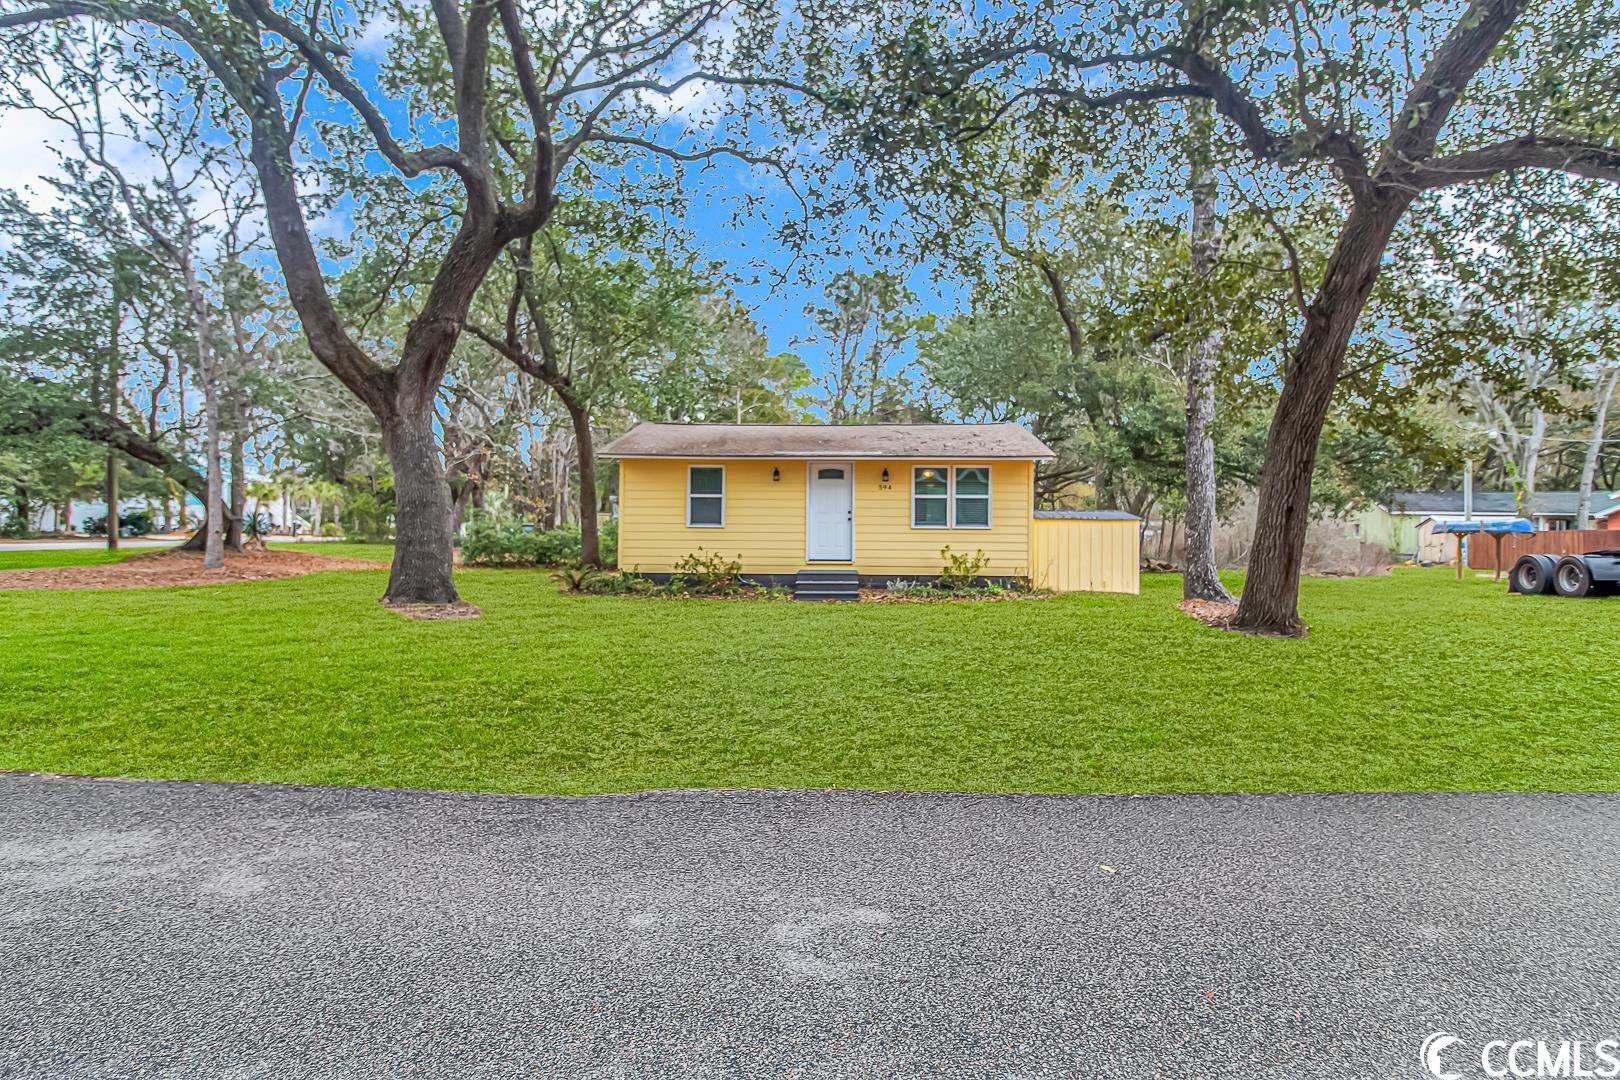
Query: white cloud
{"x": 26, "y": 157}
{"x": 372, "y": 41}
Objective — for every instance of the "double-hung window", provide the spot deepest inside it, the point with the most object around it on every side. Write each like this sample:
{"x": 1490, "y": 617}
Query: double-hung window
{"x": 950, "y": 498}
{"x": 706, "y": 496}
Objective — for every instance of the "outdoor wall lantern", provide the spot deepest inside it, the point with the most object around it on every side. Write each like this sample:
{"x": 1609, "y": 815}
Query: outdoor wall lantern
{"x": 885, "y": 474}
{"x": 776, "y": 476}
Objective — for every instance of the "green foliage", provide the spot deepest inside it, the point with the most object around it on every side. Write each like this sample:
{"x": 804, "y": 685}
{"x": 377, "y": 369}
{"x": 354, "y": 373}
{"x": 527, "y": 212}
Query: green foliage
{"x": 706, "y": 572}
{"x": 331, "y": 528}
{"x": 961, "y": 571}
{"x": 580, "y": 694}
{"x": 575, "y": 578}
{"x": 369, "y": 516}
{"x": 130, "y": 523}
{"x": 492, "y": 540}
{"x": 620, "y": 584}
{"x": 865, "y": 325}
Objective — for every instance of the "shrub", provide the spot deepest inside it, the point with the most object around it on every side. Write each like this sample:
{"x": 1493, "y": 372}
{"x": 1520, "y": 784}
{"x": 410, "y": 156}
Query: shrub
{"x": 961, "y": 571}
{"x": 256, "y": 526}
{"x": 576, "y": 578}
{"x": 711, "y": 573}
{"x": 555, "y": 546}
{"x": 619, "y": 585}
{"x": 134, "y": 523}
{"x": 490, "y": 540}
{"x": 331, "y": 528}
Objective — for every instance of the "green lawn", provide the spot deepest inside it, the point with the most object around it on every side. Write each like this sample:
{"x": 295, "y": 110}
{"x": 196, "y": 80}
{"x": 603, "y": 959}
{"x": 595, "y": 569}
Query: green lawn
{"x": 30, "y": 558}
{"x": 1406, "y": 682}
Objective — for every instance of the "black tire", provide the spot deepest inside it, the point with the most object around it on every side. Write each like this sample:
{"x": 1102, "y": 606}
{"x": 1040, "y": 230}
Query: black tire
{"x": 1573, "y": 578}
{"x": 1533, "y": 574}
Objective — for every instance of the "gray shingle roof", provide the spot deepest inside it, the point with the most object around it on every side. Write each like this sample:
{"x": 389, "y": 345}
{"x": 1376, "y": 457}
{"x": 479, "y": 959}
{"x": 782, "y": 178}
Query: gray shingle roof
{"x": 1555, "y": 503}
{"x": 940, "y": 441}
{"x": 1088, "y": 515}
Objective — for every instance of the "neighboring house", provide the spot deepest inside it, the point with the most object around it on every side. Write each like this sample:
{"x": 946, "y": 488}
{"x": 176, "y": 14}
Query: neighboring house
{"x": 877, "y": 502}
{"x": 1406, "y": 524}
{"x": 88, "y": 509}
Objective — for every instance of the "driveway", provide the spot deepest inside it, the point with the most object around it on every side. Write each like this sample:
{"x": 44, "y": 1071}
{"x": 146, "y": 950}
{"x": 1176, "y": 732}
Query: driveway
{"x": 200, "y": 930}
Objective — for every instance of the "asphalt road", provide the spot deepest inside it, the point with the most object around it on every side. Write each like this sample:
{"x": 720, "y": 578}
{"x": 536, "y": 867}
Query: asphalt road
{"x": 203, "y": 930}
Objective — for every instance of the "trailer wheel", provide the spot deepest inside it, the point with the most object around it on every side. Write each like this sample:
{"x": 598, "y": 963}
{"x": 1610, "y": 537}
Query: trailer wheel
{"x": 1533, "y": 574}
{"x": 1573, "y": 577}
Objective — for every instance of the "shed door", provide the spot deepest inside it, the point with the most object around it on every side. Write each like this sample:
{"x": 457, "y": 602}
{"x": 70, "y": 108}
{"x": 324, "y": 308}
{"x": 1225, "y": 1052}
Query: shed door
{"x": 832, "y": 512}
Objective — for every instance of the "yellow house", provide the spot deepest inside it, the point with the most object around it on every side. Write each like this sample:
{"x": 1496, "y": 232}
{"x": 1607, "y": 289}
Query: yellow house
{"x": 828, "y": 508}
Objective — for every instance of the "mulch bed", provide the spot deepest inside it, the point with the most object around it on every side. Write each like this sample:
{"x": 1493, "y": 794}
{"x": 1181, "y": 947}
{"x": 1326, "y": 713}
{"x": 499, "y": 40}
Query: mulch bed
{"x": 884, "y": 596}
{"x": 1210, "y": 612}
{"x": 424, "y": 612}
{"x": 161, "y": 569}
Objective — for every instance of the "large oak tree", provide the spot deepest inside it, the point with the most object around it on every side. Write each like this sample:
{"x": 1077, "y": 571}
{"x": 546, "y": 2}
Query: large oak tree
{"x": 537, "y": 92}
{"x": 1385, "y": 103}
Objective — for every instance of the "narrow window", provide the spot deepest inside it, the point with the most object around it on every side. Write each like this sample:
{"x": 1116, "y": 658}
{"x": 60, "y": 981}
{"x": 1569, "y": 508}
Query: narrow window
{"x": 706, "y": 496}
{"x": 930, "y": 497}
{"x": 972, "y": 498}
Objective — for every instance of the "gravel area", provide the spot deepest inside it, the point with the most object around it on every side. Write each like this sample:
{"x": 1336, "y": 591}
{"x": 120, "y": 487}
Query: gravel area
{"x": 214, "y": 930}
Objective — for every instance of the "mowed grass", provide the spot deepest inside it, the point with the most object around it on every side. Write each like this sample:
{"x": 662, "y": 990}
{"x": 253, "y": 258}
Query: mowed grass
{"x": 33, "y": 558}
{"x": 1412, "y": 681}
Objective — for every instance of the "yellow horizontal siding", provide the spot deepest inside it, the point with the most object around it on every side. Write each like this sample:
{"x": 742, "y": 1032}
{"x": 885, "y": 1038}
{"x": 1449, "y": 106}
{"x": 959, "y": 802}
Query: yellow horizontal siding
{"x": 1081, "y": 555}
{"x": 765, "y": 519}
{"x": 886, "y": 543}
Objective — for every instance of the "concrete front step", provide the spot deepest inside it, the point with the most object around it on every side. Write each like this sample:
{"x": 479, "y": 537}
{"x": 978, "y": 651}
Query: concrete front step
{"x": 826, "y": 594}
{"x": 829, "y": 584}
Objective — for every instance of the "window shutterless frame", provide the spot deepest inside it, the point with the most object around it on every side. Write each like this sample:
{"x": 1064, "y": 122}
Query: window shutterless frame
{"x": 930, "y": 497}
{"x": 943, "y": 498}
{"x": 705, "y": 496}
{"x": 970, "y": 497}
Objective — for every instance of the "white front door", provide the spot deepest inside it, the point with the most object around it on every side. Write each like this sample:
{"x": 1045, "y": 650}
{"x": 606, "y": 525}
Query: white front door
{"x": 832, "y": 518}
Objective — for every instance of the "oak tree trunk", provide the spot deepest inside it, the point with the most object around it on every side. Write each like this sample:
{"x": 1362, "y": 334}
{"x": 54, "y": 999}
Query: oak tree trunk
{"x": 1270, "y": 601}
{"x": 590, "y": 547}
{"x": 233, "y": 529}
{"x": 423, "y": 554}
{"x": 1200, "y": 579}
{"x": 114, "y": 377}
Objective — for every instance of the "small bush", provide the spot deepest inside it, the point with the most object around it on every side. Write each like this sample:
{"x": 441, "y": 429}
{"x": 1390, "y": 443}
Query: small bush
{"x": 554, "y": 546}
{"x": 256, "y": 526}
{"x": 576, "y": 578}
{"x": 619, "y": 585}
{"x": 134, "y": 523}
{"x": 708, "y": 572}
{"x": 493, "y": 541}
{"x": 331, "y": 528}
{"x": 961, "y": 571}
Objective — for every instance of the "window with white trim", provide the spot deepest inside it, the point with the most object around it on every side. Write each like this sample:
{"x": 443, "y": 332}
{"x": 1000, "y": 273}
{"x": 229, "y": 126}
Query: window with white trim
{"x": 706, "y": 496}
{"x": 970, "y": 497}
{"x": 950, "y": 498}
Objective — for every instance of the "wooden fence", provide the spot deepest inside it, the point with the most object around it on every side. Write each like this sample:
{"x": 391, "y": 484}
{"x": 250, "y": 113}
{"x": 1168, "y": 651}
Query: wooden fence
{"x": 1482, "y": 547}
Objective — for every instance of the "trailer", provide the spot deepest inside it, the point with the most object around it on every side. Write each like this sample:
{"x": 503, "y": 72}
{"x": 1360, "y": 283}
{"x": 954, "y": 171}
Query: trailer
{"x": 1595, "y": 573}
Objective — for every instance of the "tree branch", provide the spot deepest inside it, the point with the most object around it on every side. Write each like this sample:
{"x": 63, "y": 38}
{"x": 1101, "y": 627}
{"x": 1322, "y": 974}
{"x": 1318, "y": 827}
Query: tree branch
{"x": 1591, "y": 160}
